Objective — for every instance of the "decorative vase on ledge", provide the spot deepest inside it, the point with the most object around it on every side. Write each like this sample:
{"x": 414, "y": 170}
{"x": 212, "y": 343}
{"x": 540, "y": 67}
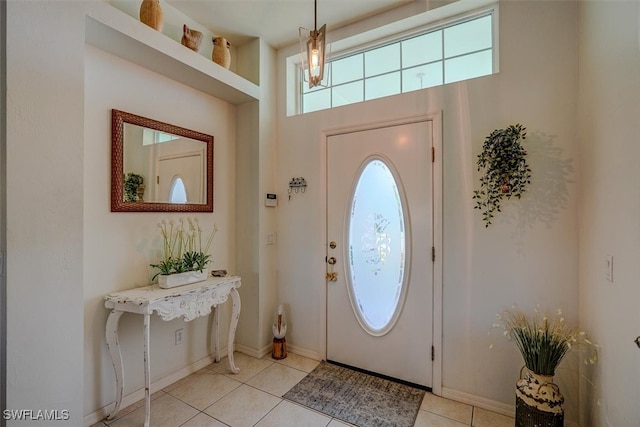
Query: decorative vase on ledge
{"x": 191, "y": 38}
{"x": 179, "y": 279}
{"x": 221, "y": 53}
{"x": 151, "y": 14}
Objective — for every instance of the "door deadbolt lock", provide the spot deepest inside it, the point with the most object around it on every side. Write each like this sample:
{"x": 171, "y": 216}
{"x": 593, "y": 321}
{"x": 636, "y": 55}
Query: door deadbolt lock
{"x": 331, "y": 260}
{"x": 332, "y": 244}
{"x": 332, "y": 276}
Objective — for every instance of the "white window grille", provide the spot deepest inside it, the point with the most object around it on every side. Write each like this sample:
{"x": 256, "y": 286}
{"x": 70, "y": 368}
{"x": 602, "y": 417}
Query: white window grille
{"x": 458, "y": 50}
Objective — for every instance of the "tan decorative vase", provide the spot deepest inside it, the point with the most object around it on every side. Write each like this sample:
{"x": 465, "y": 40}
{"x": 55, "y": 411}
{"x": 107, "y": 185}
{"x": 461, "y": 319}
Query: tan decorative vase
{"x": 538, "y": 401}
{"x": 191, "y": 38}
{"x": 221, "y": 54}
{"x": 151, "y": 14}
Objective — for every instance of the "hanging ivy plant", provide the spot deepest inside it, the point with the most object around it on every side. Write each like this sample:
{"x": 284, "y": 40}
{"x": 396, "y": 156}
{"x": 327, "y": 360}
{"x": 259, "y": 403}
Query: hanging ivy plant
{"x": 505, "y": 170}
{"x": 131, "y": 183}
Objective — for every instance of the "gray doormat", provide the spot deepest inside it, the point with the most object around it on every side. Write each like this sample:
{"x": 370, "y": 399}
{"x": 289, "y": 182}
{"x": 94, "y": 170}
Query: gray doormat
{"x": 357, "y": 398}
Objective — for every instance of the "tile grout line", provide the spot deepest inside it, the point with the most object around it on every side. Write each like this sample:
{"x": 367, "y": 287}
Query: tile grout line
{"x": 211, "y": 368}
{"x": 228, "y": 375}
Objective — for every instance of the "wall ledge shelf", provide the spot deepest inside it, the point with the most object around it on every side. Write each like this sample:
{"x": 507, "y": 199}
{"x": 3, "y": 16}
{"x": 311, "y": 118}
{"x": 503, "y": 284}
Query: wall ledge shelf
{"x": 115, "y": 32}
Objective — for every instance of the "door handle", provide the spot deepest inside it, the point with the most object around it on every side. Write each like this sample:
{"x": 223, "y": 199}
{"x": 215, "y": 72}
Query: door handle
{"x": 332, "y": 276}
{"x": 331, "y": 261}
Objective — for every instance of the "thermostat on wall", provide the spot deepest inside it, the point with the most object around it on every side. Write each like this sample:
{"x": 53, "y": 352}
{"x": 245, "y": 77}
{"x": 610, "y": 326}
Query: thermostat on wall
{"x": 271, "y": 201}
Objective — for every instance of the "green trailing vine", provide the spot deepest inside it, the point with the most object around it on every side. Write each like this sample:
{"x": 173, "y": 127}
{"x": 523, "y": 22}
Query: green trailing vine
{"x": 131, "y": 183}
{"x": 505, "y": 170}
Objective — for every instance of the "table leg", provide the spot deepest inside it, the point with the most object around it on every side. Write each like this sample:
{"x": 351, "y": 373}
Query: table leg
{"x": 147, "y": 376}
{"x": 214, "y": 334}
{"x": 116, "y": 357}
{"x": 235, "y": 314}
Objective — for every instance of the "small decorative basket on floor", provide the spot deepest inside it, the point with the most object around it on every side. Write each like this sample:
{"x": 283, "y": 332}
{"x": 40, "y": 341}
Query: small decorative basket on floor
{"x": 538, "y": 401}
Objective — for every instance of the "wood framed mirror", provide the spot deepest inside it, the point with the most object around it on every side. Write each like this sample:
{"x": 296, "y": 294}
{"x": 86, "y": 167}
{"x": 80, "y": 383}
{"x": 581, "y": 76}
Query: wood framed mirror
{"x": 158, "y": 167}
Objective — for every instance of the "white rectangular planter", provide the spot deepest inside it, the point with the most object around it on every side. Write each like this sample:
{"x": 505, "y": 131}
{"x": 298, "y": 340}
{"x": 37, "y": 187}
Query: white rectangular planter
{"x": 179, "y": 279}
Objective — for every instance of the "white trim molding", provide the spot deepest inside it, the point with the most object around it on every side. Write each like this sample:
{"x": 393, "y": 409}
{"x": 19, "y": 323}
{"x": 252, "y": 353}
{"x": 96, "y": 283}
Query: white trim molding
{"x": 480, "y": 402}
{"x": 488, "y": 404}
{"x": 304, "y": 352}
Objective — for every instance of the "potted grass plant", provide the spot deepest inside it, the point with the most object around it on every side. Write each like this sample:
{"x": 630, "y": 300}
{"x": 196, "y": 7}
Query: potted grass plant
{"x": 543, "y": 341}
{"x": 185, "y": 254}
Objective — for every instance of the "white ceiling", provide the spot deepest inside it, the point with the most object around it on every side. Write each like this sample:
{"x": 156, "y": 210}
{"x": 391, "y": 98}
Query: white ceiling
{"x": 277, "y": 21}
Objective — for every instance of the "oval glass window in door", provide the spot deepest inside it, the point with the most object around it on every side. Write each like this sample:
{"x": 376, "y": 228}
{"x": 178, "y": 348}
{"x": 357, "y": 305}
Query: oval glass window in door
{"x": 377, "y": 247}
{"x": 177, "y": 193}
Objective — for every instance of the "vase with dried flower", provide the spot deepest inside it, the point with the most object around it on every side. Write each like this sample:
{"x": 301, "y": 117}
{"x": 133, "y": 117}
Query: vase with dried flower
{"x": 279, "y": 329}
{"x": 543, "y": 342}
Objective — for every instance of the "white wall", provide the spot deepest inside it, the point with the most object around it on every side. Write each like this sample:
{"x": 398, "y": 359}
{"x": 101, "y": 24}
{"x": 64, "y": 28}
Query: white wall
{"x": 528, "y": 256}
{"x": 255, "y": 176}
{"x": 608, "y": 129}
{"x": 118, "y": 247}
{"x": 267, "y": 184}
{"x": 45, "y": 218}
{"x": 66, "y": 250}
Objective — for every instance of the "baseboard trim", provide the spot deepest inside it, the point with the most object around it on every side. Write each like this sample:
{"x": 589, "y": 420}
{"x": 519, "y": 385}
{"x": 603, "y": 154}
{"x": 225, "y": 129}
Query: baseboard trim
{"x": 488, "y": 404}
{"x": 260, "y": 353}
{"x": 250, "y": 351}
{"x": 480, "y": 402}
{"x": 137, "y": 395}
{"x": 300, "y": 351}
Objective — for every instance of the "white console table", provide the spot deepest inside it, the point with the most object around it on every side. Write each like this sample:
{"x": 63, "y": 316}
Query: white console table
{"x": 187, "y": 302}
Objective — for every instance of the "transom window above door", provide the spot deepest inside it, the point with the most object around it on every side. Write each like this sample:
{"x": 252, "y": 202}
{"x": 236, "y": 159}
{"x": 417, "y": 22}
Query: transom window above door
{"x": 433, "y": 55}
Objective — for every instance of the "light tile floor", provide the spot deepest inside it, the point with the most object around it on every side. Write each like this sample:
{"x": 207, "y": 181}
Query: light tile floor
{"x": 213, "y": 397}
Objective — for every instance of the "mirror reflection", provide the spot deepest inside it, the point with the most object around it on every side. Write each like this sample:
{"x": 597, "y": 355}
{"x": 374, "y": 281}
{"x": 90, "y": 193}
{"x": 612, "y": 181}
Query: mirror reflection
{"x": 157, "y": 167}
{"x": 163, "y": 167}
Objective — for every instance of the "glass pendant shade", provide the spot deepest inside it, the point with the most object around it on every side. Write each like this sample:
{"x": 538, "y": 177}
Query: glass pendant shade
{"x": 316, "y": 56}
{"x": 312, "y": 49}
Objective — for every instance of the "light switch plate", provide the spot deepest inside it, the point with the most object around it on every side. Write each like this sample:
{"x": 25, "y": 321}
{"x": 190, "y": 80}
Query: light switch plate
{"x": 271, "y": 238}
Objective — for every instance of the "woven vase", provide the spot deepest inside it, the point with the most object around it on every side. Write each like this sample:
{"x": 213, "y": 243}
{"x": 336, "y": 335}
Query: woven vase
{"x": 191, "y": 38}
{"x": 221, "y": 54}
{"x": 538, "y": 401}
{"x": 151, "y": 14}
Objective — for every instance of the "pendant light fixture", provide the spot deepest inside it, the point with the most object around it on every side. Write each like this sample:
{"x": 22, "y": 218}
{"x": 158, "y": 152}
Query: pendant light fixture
{"x": 312, "y": 47}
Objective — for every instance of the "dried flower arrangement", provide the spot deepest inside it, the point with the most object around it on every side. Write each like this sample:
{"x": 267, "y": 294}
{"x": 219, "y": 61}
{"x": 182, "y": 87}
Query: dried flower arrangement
{"x": 543, "y": 341}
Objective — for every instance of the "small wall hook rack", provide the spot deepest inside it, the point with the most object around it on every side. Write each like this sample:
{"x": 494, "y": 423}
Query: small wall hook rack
{"x": 297, "y": 185}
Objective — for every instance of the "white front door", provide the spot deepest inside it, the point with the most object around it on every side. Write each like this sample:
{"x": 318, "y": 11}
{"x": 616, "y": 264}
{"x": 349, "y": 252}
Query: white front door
{"x": 379, "y": 250}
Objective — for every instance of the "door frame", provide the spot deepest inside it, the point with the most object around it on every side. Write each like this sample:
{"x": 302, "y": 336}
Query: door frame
{"x": 436, "y": 126}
